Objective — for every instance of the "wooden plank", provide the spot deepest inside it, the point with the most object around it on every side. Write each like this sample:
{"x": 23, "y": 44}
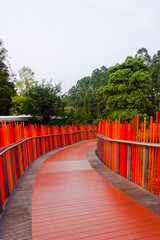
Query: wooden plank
{"x": 70, "y": 201}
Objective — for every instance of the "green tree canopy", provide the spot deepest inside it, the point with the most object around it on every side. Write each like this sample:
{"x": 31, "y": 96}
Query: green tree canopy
{"x": 129, "y": 90}
{"x": 155, "y": 73}
{"x": 44, "y": 100}
{"x": 6, "y": 85}
{"x": 24, "y": 82}
{"x": 87, "y": 104}
{"x": 40, "y": 100}
{"x": 154, "y": 64}
{"x": 143, "y": 53}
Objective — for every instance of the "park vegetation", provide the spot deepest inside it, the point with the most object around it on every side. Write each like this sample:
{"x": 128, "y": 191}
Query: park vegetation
{"x": 126, "y": 89}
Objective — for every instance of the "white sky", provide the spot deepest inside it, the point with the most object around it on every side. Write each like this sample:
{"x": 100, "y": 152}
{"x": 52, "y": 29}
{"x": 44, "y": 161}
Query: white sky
{"x": 67, "y": 39}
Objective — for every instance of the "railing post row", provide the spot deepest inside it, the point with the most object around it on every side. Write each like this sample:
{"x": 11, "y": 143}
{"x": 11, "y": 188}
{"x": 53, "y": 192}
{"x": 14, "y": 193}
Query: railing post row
{"x": 16, "y": 158}
{"x": 137, "y": 170}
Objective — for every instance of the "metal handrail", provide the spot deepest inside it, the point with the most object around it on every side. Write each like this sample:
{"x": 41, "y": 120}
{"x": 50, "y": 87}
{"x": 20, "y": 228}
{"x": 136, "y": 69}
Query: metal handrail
{"x": 146, "y": 147}
{"x": 5, "y": 149}
{"x": 16, "y": 157}
{"x": 142, "y": 144}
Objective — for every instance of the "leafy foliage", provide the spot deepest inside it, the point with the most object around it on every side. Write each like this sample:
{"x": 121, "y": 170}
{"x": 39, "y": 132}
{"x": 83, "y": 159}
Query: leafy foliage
{"x": 154, "y": 64}
{"x": 126, "y": 89}
{"x": 23, "y": 84}
{"x": 6, "y": 86}
{"x": 26, "y": 80}
{"x": 155, "y": 73}
{"x": 143, "y": 53}
{"x": 129, "y": 89}
{"x": 83, "y": 102}
{"x": 43, "y": 100}
{"x": 40, "y": 100}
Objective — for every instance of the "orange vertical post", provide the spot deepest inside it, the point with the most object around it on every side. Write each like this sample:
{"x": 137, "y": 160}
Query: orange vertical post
{"x": 63, "y": 137}
{"x": 155, "y": 168}
{"x": 150, "y": 151}
{"x": 67, "y": 137}
{"x": 152, "y": 175}
{"x": 158, "y": 175}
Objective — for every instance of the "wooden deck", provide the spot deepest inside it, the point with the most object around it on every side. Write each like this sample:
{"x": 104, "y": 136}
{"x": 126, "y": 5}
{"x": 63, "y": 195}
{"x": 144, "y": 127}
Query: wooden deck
{"x": 70, "y": 200}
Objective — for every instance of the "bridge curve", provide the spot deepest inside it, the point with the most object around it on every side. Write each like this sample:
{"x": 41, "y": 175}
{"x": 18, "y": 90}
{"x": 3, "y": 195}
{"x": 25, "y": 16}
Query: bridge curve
{"x": 71, "y": 201}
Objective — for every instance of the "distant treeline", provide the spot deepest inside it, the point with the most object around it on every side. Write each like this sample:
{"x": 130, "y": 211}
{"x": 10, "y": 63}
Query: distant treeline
{"x": 126, "y": 89}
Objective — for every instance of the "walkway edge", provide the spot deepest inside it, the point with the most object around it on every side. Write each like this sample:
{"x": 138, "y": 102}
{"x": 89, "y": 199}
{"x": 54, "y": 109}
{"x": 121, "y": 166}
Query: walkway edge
{"x": 17, "y": 224}
{"x": 15, "y": 221}
{"x": 137, "y": 193}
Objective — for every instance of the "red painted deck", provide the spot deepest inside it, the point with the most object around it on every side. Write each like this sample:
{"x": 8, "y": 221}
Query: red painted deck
{"x": 71, "y": 201}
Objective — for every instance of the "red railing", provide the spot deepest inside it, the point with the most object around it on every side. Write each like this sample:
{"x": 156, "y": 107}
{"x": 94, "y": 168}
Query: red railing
{"x": 132, "y": 150}
{"x": 16, "y": 158}
{"x": 13, "y": 132}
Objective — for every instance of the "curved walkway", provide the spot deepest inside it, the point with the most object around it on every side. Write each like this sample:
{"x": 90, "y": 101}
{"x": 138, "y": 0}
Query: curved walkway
{"x": 72, "y": 201}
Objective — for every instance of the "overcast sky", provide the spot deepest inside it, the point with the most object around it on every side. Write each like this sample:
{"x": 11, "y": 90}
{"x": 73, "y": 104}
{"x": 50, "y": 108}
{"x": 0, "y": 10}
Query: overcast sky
{"x": 67, "y": 39}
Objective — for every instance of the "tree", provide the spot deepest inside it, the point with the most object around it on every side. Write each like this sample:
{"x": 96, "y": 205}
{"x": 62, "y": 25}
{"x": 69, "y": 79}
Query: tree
{"x": 26, "y": 80}
{"x": 129, "y": 89}
{"x": 85, "y": 99}
{"x": 155, "y": 73}
{"x": 143, "y": 53}
{"x": 44, "y": 100}
{"x": 19, "y": 104}
{"x": 6, "y": 85}
{"x": 154, "y": 64}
